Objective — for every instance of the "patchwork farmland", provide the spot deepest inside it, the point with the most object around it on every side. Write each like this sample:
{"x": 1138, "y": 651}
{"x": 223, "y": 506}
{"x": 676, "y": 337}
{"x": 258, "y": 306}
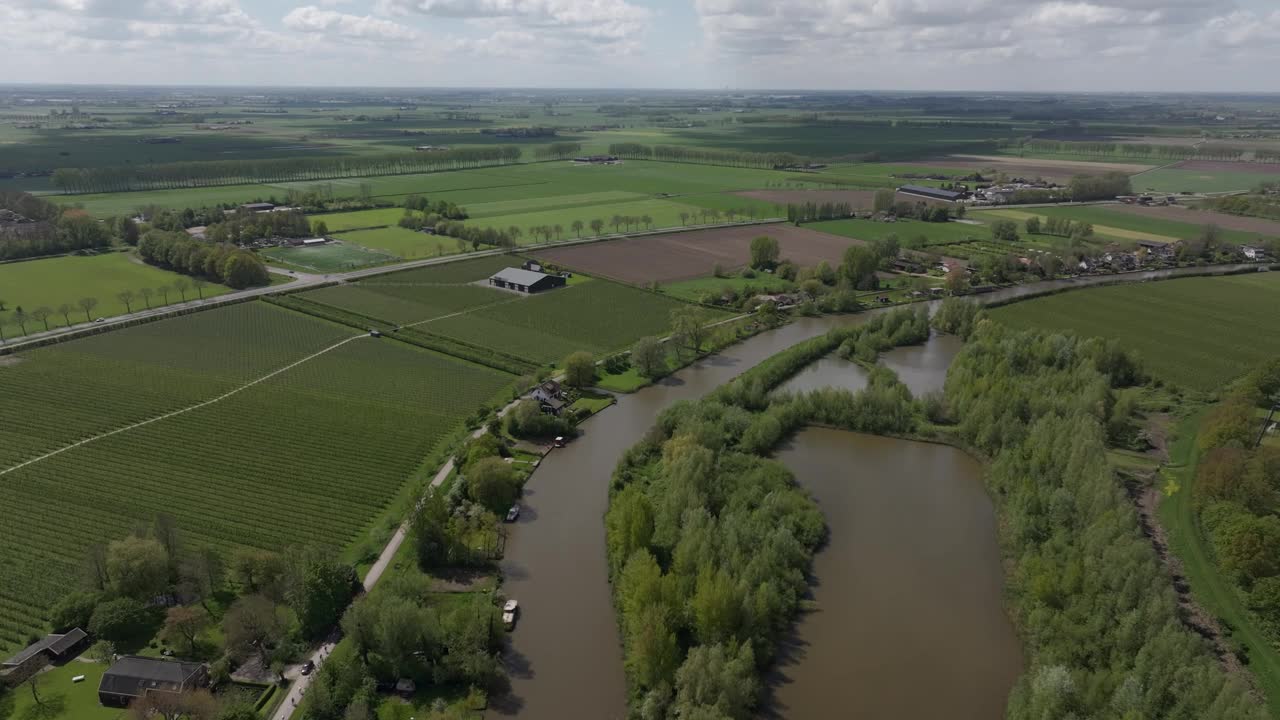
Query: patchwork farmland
{"x": 311, "y": 454}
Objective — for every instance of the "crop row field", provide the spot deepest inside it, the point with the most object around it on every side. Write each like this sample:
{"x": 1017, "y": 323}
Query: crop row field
{"x": 1199, "y": 333}
{"x": 313, "y": 454}
{"x": 1204, "y": 178}
{"x": 95, "y": 384}
{"x": 407, "y": 304}
{"x": 597, "y": 316}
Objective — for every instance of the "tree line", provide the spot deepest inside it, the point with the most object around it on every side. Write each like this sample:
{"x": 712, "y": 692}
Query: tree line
{"x": 122, "y": 178}
{"x": 704, "y": 156}
{"x": 222, "y": 263}
{"x": 1237, "y": 494}
{"x": 1140, "y": 150}
{"x": 1096, "y": 611}
{"x": 38, "y": 227}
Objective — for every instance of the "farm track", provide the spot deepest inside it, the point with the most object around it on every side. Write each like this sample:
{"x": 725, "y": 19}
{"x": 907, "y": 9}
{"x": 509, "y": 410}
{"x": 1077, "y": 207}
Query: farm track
{"x": 180, "y": 411}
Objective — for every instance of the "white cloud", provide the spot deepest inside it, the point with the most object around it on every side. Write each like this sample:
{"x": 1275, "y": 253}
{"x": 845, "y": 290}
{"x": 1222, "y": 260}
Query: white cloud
{"x": 330, "y": 22}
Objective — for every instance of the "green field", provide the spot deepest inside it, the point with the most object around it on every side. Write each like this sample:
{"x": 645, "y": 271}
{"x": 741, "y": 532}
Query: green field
{"x": 597, "y": 316}
{"x": 54, "y": 281}
{"x": 905, "y": 230}
{"x": 313, "y": 454}
{"x": 402, "y": 242}
{"x": 1174, "y": 180}
{"x": 663, "y": 213}
{"x": 331, "y": 257}
{"x": 381, "y": 217}
{"x": 1123, "y": 226}
{"x": 1196, "y": 332}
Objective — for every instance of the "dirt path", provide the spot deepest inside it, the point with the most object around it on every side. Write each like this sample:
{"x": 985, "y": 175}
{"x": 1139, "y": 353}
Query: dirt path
{"x": 1146, "y": 500}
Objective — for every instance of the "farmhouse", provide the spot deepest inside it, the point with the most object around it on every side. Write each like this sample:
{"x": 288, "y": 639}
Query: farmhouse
{"x": 526, "y": 281}
{"x": 550, "y": 397}
{"x": 931, "y": 193}
{"x": 131, "y": 677}
{"x": 257, "y": 207}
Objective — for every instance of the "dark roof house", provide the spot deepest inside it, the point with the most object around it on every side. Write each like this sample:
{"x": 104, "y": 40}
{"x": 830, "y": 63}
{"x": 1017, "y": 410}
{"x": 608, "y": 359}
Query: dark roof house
{"x": 55, "y": 647}
{"x": 131, "y": 677}
{"x": 526, "y": 281}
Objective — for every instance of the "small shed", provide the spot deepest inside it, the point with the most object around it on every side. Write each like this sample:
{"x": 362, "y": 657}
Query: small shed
{"x": 525, "y": 281}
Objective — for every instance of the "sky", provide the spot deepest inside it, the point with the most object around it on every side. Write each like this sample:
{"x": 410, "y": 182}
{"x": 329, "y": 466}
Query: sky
{"x": 1016, "y": 45}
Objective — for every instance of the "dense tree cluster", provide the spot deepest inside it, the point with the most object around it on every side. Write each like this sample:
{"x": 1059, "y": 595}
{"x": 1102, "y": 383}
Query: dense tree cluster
{"x": 223, "y": 263}
{"x": 709, "y": 541}
{"x": 441, "y": 209}
{"x": 244, "y": 227}
{"x": 38, "y": 227}
{"x": 812, "y": 212}
{"x": 1237, "y": 493}
{"x": 124, "y": 178}
{"x": 1205, "y": 151}
{"x": 1099, "y": 187}
{"x": 1095, "y": 608}
{"x": 1260, "y": 204}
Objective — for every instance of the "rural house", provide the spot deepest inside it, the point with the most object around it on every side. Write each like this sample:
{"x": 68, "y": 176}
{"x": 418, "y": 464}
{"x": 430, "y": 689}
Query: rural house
{"x": 550, "y": 397}
{"x": 525, "y": 281}
{"x": 131, "y": 677}
{"x": 52, "y": 648}
{"x": 1157, "y": 248}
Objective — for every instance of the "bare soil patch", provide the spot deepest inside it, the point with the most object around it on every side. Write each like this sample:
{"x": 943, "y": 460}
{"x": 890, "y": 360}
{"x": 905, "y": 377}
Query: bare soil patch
{"x": 1262, "y": 226}
{"x": 1228, "y": 166}
{"x": 1032, "y": 167}
{"x": 859, "y": 199}
{"x": 688, "y": 255}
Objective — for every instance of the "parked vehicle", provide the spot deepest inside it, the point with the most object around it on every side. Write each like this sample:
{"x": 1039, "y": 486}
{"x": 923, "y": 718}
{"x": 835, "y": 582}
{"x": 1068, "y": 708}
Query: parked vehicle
{"x": 559, "y": 441}
{"x": 513, "y": 513}
{"x": 308, "y": 667}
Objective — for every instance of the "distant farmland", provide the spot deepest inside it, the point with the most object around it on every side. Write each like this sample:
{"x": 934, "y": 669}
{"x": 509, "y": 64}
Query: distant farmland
{"x": 311, "y": 455}
{"x": 1199, "y": 333}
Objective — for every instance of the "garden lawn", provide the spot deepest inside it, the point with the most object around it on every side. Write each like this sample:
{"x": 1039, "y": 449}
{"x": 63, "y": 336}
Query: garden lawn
{"x": 64, "y": 700}
{"x": 1200, "y": 333}
{"x": 598, "y": 317}
{"x": 53, "y": 281}
{"x": 402, "y": 242}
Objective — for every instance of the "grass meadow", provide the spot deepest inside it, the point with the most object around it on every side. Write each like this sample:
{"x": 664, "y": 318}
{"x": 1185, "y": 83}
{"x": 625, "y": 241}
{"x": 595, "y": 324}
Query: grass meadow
{"x": 328, "y": 258}
{"x": 1199, "y": 333}
{"x": 50, "y": 282}
{"x": 314, "y": 454}
{"x": 1174, "y": 180}
{"x": 402, "y": 243}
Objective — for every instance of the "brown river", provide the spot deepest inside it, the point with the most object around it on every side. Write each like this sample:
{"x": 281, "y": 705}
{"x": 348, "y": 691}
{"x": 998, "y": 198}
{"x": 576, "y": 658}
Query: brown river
{"x": 908, "y": 621}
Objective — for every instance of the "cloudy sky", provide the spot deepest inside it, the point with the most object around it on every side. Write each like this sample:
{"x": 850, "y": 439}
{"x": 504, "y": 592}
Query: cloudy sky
{"x": 818, "y": 44}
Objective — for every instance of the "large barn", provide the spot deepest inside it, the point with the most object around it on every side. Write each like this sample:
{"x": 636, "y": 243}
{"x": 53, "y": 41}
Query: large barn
{"x": 931, "y": 193}
{"x": 525, "y": 281}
